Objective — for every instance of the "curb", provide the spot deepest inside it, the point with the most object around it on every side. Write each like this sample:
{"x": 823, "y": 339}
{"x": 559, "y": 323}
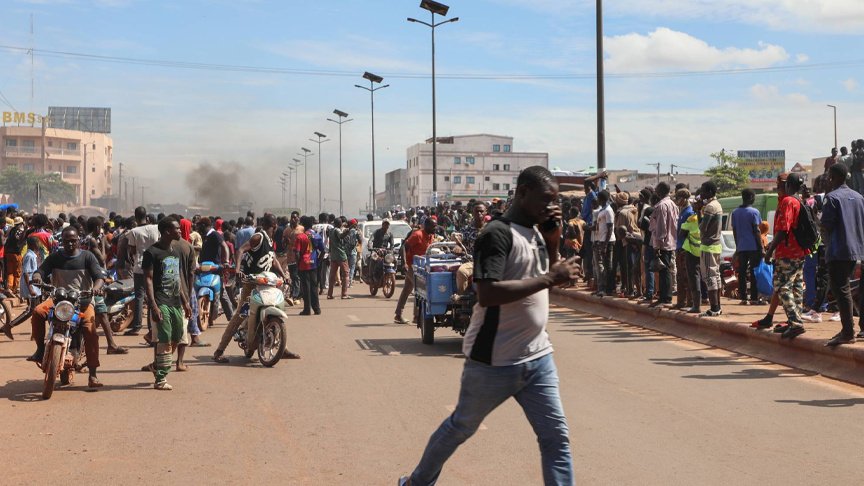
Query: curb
{"x": 845, "y": 363}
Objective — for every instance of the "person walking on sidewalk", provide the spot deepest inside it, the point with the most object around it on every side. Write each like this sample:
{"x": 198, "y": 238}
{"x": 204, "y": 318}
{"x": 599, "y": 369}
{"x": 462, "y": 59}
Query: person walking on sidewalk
{"x": 710, "y": 226}
{"x": 664, "y": 225}
{"x": 507, "y": 349}
{"x": 788, "y": 255}
{"x": 842, "y": 227}
{"x": 748, "y": 245}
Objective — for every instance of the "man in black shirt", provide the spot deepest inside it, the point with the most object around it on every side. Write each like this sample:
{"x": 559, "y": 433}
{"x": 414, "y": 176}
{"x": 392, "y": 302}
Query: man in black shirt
{"x": 214, "y": 249}
{"x": 382, "y": 238}
{"x": 71, "y": 269}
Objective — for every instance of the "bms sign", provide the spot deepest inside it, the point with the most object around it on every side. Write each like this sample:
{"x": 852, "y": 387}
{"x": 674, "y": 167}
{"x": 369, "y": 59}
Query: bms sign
{"x": 18, "y": 118}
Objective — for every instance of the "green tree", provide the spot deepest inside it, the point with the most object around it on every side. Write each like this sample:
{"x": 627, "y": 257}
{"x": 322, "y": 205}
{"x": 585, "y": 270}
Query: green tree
{"x": 729, "y": 176}
{"x": 22, "y": 187}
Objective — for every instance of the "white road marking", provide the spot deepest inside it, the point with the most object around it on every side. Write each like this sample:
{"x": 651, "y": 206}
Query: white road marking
{"x": 452, "y": 408}
{"x": 389, "y": 350}
{"x": 353, "y": 317}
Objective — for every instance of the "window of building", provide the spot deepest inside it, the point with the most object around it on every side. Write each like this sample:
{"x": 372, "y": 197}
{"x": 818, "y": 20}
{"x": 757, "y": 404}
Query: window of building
{"x": 457, "y": 160}
{"x": 457, "y": 179}
{"x": 496, "y": 187}
{"x": 469, "y": 179}
{"x": 93, "y": 169}
{"x": 11, "y": 165}
{"x": 11, "y": 142}
{"x": 446, "y": 178}
{"x": 506, "y": 148}
{"x": 496, "y": 167}
{"x": 506, "y": 187}
{"x": 72, "y": 145}
{"x": 506, "y": 166}
{"x": 92, "y": 192}
{"x": 28, "y": 167}
{"x": 50, "y": 143}
{"x": 71, "y": 169}
{"x": 469, "y": 160}
{"x": 514, "y": 180}
{"x": 487, "y": 179}
{"x": 28, "y": 145}
{"x": 496, "y": 148}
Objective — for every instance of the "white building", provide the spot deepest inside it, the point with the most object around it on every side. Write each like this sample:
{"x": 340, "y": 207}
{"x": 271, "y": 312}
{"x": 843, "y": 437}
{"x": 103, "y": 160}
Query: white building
{"x": 469, "y": 166}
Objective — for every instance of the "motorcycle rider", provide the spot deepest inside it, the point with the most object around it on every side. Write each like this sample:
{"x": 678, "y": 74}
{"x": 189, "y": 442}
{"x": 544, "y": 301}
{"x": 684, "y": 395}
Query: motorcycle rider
{"x": 255, "y": 256}
{"x": 382, "y": 238}
{"x": 72, "y": 269}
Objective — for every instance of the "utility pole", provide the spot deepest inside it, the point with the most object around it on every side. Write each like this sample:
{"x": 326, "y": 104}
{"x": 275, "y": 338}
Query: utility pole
{"x": 320, "y": 140}
{"x": 657, "y": 165}
{"x": 133, "y": 191}
{"x": 142, "y": 194}
{"x": 601, "y": 104}
{"x": 84, "y": 182}
{"x": 120, "y": 187}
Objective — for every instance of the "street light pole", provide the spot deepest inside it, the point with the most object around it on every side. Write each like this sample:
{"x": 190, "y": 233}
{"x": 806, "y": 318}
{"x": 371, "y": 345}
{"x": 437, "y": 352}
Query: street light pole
{"x": 601, "y": 103}
{"x": 372, "y": 79}
{"x": 835, "y": 125}
{"x": 319, "y": 142}
{"x": 441, "y": 9}
{"x": 296, "y": 169}
{"x": 343, "y": 118}
{"x": 306, "y": 153}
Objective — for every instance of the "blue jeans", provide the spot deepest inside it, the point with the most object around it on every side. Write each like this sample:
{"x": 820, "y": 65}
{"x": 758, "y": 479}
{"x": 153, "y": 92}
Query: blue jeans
{"x": 193, "y": 328}
{"x": 534, "y": 385}
{"x": 649, "y": 276}
{"x": 352, "y": 265}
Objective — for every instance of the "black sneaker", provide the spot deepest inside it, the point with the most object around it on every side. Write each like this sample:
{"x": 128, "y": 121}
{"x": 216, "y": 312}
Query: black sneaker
{"x": 840, "y": 339}
{"x": 762, "y": 324}
{"x": 781, "y": 328}
{"x": 793, "y": 331}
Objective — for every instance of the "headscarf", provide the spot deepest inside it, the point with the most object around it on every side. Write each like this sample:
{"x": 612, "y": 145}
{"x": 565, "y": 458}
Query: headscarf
{"x": 186, "y": 229}
{"x": 218, "y": 225}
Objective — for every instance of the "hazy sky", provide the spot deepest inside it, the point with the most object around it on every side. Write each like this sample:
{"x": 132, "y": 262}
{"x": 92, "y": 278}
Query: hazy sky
{"x": 534, "y": 58}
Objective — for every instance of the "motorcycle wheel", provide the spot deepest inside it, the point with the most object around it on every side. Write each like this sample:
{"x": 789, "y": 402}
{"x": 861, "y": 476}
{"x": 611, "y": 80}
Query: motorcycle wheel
{"x": 427, "y": 330}
{"x": 272, "y": 345}
{"x": 5, "y": 312}
{"x": 203, "y": 312}
{"x": 373, "y": 290}
{"x": 55, "y": 355}
{"x": 389, "y": 285}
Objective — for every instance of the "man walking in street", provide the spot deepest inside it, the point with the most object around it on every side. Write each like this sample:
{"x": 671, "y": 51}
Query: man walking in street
{"x": 710, "y": 226}
{"x": 140, "y": 238}
{"x": 507, "y": 349}
{"x": 169, "y": 305}
{"x": 663, "y": 226}
{"x": 788, "y": 255}
{"x": 748, "y": 245}
{"x": 843, "y": 229}
{"x": 416, "y": 244}
{"x": 308, "y": 249}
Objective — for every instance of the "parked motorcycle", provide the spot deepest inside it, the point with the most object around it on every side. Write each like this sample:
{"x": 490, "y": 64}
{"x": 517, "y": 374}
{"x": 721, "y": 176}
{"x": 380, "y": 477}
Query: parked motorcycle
{"x": 266, "y": 309}
{"x": 63, "y": 349}
{"x": 208, "y": 286}
{"x": 120, "y": 299}
{"x": 380, "y": 272}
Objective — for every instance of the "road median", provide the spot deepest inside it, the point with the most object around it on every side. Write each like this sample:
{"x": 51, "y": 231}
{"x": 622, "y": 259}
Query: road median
{"x": 806, "y": 352}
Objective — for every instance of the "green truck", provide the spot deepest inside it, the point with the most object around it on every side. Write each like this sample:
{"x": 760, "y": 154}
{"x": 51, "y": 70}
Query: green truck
{"x": 766, "y": 204}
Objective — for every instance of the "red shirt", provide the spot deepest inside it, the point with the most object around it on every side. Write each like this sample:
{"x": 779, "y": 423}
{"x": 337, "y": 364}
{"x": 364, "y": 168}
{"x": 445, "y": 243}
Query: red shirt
{"x": 304, "y": 250}
{"x": 416, "y": 244}
{"x": 785, "y": 219}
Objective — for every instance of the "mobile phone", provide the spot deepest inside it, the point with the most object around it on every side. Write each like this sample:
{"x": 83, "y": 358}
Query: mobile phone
{"x": 550, "y": 224}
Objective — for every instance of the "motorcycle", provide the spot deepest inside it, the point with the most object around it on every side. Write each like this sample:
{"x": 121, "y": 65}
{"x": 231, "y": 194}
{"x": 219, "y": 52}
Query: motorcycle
{"x": 380, "y": 272}
{"x": 265, "y": 307}
{"x": 208, "y": 286}
{"x": 63, "y": 349}
{"x": 120, "y": 299}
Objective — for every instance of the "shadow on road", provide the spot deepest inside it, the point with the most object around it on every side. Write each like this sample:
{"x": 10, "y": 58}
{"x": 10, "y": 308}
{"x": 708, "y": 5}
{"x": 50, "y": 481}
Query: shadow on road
{"x": 755, "y": 374}
{"x": 374, "y": 325}
{"x": 451, "y": 347}
{"x": 610, "y": 334}
{"x": 834, "y": 403}
{"x": 709, "y": 361}
{"x": 31, "y": 390}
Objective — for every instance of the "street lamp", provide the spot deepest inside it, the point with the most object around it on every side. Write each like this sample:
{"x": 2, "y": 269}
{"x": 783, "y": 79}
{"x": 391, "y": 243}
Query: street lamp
{"x": 319, "y": 142}
{"x": 341, "y": 114}
{"x": 297, "y": 164}
{"x": 440, "y": 9}
{"x": 306, "y": 153}
{"x": 835, "y": 125}
{"x": 373, "y": 78}
{"x": 601, "y": 97}
{"x": 283, "y": 179}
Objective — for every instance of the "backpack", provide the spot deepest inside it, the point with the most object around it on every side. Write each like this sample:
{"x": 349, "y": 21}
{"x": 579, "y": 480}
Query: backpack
{"x": 805, "y": 230}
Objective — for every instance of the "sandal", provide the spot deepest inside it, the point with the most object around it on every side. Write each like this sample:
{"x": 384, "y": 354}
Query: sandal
{"x": 163, "y": 385}
{"x": 220, "y": 359}
{"x": 94, "y": 382}
{"x": 118, "y": 350}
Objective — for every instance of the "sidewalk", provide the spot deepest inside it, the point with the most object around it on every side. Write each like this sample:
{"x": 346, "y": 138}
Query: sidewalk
{"x": 732, "y": 331}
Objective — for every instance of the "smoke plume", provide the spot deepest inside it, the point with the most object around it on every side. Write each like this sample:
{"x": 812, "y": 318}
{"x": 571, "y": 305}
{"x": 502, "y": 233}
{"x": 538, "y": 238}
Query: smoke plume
{"x": 218, "y": 186}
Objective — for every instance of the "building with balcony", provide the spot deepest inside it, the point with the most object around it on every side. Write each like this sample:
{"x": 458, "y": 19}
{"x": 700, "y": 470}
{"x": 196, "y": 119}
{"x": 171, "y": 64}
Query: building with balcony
{"x": 83, "y": 159}
{"x": 468, "y": 167}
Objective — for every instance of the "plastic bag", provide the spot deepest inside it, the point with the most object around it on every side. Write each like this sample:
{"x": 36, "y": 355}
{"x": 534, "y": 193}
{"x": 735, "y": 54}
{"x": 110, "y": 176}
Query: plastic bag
{"x": 764, "y": 278}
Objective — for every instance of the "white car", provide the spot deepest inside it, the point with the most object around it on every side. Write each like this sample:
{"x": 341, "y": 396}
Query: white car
{"x": 399, "y": 230}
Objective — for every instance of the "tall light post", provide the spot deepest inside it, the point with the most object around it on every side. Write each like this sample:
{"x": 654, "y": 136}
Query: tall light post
{"x": 440, "y": 9}
{"x": 283, "y": 179}
{"x": 835, "y": 125}
{"x": 342, "y": 119}
{"x": 320, "y": 140}
{"x": 601, "y": 97}
{"x": 373, "y": 78}
{"x": 297, "y": 164}
{"x": 306, "y": 153}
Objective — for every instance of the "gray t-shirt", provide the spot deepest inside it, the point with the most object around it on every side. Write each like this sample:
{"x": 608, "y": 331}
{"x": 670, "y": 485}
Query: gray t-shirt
{"x": 513, "y": 333}
{"x": 141, "y": 238}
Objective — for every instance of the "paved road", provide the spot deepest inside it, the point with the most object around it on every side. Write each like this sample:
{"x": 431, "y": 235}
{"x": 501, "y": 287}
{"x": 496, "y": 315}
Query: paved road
{"x": 358, "y": 407}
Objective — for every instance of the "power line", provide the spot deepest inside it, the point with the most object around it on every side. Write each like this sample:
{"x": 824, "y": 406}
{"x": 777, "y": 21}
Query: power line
{"x": 461, "y": 76}
{"x": 6, "y": 101}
